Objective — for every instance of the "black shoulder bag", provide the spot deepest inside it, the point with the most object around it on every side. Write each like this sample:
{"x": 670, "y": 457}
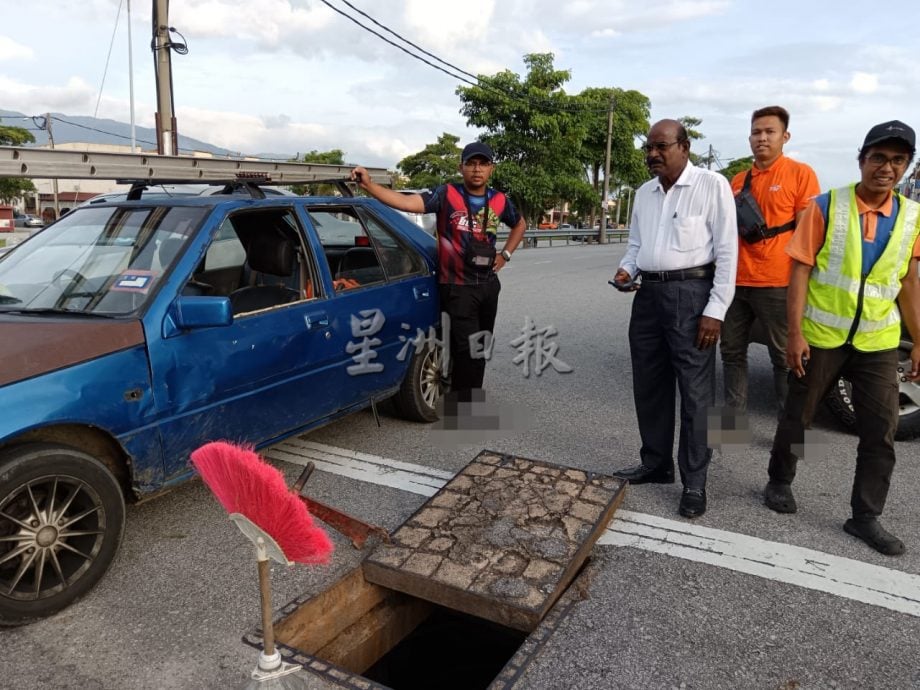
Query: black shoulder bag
{"x": 480, "y": 254}
{"x": 751, "y": 224}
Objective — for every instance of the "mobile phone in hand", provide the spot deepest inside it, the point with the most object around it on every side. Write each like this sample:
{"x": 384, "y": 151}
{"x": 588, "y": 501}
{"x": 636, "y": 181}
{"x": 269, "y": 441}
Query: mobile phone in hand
{"x": 628, "y": 286}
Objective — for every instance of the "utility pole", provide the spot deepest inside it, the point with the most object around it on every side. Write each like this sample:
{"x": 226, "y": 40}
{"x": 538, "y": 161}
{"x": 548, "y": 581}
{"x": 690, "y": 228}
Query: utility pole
{"x": 602, "y": 235}
{"x": 54, "y": 182}
{"x": 709, "y": 160}
{"x": 167, "y": 139}
{"x": 131, "y": 80}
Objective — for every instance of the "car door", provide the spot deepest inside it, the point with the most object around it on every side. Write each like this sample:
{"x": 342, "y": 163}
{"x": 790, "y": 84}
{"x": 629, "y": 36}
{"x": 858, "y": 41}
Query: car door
{"x": 275, "y": 368}
{"x": 384, "y": 296}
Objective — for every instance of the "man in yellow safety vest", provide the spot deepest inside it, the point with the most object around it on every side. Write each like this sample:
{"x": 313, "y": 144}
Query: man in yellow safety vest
{"x": 855, "y": 262}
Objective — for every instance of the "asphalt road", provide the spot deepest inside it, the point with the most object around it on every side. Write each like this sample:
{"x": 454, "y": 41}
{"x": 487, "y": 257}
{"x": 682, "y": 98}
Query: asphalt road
{"x": 183, "y": 590}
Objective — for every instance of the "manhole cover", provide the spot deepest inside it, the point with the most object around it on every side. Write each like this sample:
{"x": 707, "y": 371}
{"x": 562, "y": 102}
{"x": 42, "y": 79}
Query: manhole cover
{"x": 502, "y": 540}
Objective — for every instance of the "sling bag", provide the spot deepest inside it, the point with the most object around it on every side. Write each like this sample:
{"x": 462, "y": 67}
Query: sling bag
{"x": 751, "y": 224}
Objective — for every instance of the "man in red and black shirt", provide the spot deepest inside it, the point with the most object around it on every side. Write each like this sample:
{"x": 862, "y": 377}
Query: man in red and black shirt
{"x": 468, "y": 215}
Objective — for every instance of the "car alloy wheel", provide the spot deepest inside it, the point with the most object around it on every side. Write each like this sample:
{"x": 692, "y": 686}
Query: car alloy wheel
{"x": 61, "y": 520}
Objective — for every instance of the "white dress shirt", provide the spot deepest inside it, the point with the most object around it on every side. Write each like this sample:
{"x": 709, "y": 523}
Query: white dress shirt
{"x": 692, "y": 224}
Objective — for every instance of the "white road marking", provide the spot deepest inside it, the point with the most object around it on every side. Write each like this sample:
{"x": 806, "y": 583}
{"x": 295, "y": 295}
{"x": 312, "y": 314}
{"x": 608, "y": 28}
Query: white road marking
{"x": 844, "y": 577}
{"x": 361, "y": 466}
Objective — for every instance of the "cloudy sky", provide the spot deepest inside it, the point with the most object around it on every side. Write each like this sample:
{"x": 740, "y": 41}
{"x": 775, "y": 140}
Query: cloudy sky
{"x": 283, "y": 76}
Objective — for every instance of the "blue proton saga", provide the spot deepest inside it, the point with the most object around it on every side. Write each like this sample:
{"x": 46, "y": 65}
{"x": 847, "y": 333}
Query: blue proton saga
{"x": 134, "y": 331}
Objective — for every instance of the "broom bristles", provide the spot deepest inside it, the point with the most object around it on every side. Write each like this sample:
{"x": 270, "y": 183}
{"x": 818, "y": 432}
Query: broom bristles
{"x": 244, "y": 483}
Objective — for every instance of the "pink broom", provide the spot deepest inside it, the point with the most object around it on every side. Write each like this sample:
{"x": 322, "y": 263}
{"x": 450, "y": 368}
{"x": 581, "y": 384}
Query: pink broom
{"x": 275, "y": 520}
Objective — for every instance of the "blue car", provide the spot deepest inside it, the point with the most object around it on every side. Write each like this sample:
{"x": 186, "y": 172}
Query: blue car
{"x": 132, "y": 332}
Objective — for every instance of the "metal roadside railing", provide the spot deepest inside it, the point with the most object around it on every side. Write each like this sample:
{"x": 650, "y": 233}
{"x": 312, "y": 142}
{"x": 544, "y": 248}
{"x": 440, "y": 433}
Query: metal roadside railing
{"x": 537, "y": 238}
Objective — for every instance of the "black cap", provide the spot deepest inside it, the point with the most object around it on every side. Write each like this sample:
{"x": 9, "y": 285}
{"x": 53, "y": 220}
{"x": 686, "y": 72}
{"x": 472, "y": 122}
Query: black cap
{"x": 477, "y": 148}
{"x": 895, "y": 130}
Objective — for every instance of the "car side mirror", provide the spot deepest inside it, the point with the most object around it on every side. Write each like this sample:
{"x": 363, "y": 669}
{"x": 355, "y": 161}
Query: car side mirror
{"x": 188, "y": 313}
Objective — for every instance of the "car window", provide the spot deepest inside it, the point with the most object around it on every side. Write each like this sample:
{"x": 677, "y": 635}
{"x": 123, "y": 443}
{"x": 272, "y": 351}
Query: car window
{"x": 361, "y": 250}
{"x": 104, "y": 261}
{"x": 226, "y": 250}
{"x": 349, "y": 251}
{"x": 258, "y": 259}
{"x": 398, "y": 259}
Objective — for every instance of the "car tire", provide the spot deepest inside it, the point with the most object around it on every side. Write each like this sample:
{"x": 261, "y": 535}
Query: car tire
{"x": 840, "y": 402}
{"x": 422, "y": 387}
{"x": 62, "y": 518}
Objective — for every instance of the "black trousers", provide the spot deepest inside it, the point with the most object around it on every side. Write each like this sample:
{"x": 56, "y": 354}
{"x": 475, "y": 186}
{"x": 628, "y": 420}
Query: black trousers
{"x": 471, "y": 310}
{"x": 662, "y": 342}
{"x": 875, "y": 400}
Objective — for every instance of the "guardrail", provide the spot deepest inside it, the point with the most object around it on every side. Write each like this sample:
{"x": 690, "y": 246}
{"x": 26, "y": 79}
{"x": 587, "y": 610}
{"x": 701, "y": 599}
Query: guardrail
{"x": 535, "y": 238}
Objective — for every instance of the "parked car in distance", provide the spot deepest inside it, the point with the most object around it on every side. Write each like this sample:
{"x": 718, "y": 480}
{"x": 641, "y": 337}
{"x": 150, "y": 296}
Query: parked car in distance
{"x": 25, "y": 220}
{"x": 136, "y": 331}
{"x": 839, "y": 399}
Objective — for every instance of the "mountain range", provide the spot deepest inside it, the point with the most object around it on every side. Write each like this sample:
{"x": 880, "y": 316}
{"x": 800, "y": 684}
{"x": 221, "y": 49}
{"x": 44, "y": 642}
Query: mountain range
{"x": 92, "y": 130}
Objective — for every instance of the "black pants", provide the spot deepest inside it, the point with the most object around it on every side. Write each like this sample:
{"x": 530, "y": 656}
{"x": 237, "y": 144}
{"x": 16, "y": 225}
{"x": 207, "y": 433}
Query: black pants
{"x": 472, "y": 310}
{"x": 662, "y": 342}
{"x": 875, "y": 400}
{"x": 767, "y": 305}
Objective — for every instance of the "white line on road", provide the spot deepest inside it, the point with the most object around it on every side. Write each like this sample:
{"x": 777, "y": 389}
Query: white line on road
{"x": 548, "y": 261}
{"x": 844, "y": 577}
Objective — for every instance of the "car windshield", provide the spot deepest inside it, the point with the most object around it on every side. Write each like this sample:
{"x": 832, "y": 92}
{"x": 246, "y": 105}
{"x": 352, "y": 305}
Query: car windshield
{"x": 96, "y": 261}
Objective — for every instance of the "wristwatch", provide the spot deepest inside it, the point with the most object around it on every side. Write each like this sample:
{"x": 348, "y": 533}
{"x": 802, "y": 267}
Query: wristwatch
{"x": 506, "y": 255}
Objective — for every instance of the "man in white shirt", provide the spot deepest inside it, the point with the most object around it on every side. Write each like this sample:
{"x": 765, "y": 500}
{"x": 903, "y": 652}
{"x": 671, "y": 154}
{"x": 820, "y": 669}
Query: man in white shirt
{"x": 683, "y": 240}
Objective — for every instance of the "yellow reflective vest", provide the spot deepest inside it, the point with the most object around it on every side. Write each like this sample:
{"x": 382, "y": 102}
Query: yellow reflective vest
{"x": 845, "y": 307}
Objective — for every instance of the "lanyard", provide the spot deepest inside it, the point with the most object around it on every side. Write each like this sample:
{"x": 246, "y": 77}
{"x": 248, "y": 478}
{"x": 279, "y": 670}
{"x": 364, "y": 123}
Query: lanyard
{"x": 469, "y": 208}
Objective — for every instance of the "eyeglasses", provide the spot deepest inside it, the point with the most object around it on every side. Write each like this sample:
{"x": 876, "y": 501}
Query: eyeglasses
{"x": 477, "y": 165}
{"x": 659, "y": 146}
{"x": 880, "y": 159}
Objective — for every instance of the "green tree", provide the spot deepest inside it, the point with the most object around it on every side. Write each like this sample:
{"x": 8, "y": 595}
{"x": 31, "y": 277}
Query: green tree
{"x": 536, "y": 130}
{"x": 15, "y": 136}
{"x": 736, "y": 166}
{"x": 433, "y": 165}
{"x": 691, "y": 123}
{"x": 12, "y": 188}
{"x": 627, "y": 162}
{"x": 332, "y": 157}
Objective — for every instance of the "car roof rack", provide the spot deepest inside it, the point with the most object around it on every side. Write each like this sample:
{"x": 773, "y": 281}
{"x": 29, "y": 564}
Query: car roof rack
{"x": 141, "y": 169}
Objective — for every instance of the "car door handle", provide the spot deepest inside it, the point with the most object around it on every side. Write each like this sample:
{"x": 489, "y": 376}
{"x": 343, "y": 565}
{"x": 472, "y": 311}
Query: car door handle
{"x": 421, "y": 292}
{"x": 316, "y": 320}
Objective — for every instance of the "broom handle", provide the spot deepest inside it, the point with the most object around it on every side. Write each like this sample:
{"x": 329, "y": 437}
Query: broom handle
{"x": 265, "y": 590}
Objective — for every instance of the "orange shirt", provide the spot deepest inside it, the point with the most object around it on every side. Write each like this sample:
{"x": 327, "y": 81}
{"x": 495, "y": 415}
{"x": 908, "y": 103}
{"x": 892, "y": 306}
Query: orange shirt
{"x": 781, "y": 191}
{"x": 809, "y": 234}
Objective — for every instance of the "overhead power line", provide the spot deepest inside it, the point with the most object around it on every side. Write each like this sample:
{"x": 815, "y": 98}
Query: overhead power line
{"x": 108, "y": 56}
{"x": 101, "y": 131}
{"x": 456, "y": 73}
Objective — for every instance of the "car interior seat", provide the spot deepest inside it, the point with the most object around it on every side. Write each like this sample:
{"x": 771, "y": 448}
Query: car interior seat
{"x": 360, "y": 264}
{"x": 272, "y": 257}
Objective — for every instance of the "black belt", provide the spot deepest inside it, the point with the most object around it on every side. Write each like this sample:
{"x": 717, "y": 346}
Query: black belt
{"x": 707, "y": 271}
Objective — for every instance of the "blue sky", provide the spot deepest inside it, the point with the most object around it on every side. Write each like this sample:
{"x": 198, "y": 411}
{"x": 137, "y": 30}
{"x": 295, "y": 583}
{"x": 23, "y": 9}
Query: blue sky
{"x": 284, "y": 76}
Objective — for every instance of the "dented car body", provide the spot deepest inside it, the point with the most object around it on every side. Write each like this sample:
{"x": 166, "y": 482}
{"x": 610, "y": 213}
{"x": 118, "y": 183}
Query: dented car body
{"x": 135, "y": 331}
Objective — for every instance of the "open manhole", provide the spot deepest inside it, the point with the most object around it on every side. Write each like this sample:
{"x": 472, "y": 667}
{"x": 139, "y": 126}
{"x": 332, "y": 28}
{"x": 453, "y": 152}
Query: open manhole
{"x": 469, "y": 589}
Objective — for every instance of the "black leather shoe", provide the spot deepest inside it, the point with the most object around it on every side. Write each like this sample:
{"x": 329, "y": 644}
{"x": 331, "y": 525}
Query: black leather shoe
{"x": 876, "y": 536}
{"x": 779, "y": 497}
{"x": 692, "y": 503}
{"x": 640, "y": 474}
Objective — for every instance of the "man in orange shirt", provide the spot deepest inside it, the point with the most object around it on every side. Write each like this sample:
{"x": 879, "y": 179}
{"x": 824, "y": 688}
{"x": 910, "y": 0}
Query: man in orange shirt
{"x": 855, "y": 265}
{"x": 780, "y": 188}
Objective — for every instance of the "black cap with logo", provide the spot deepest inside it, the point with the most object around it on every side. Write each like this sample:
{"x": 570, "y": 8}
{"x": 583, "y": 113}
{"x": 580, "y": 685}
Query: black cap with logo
{"x": 895, "y": 130}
